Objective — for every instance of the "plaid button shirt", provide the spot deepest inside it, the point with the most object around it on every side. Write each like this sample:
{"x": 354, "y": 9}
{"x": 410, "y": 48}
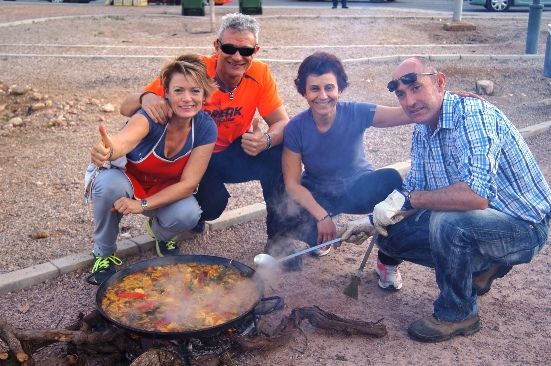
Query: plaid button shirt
{"x": 476, "y": 144}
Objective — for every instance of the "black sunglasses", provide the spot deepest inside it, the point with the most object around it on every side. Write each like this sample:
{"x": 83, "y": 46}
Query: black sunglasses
{"x": 230, "y": 49}
{"x": 406, "y": 79}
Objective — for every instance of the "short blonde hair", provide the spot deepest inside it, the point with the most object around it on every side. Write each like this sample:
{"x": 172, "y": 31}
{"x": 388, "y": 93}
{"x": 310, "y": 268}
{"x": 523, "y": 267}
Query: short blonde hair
{"x": 189, "y": 64}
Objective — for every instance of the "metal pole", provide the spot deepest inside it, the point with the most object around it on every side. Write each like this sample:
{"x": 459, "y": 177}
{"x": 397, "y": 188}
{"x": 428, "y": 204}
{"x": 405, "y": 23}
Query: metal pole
{"x": 458, "y": 10}
{"x": 547, "y": 60}
{"x": 534, "y": 22}
{"x": 212, "y": 16}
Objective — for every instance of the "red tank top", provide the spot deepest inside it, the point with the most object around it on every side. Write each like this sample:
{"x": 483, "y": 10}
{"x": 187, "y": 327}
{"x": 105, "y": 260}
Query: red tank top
{"x": 154, "y": 173}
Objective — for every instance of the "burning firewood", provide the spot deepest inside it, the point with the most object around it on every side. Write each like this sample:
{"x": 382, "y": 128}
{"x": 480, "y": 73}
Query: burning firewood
{"x": 324, "y": 320}
{"x": 92, "y": 341}
{"x": 156, "y": 357}
{"x": 318, "y": 318}
{"x": 8, "y": 335}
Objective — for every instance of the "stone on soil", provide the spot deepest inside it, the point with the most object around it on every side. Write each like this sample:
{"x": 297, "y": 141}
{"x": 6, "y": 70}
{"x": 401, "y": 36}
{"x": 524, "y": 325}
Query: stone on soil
{"x": 18, "y": 90}
{"x": 485, "y": 87}
{"x": 16, "y": 122}
{"x": 108, "y": 108}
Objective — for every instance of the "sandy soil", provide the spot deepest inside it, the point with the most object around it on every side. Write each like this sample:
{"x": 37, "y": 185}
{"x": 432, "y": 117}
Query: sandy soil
{"x": 43, "y": 159}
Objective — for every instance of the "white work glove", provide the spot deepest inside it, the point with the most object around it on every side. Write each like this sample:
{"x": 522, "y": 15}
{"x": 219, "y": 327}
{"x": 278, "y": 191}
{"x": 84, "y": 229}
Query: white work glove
{"x": 390, "y": 211}
{"x": 358, "y": 231}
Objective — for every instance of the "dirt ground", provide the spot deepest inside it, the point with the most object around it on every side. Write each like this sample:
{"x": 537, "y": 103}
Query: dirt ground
{"x": 75, "y": 66}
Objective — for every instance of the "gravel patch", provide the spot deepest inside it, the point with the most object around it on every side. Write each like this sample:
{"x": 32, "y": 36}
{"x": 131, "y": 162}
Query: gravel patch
{"x": 41, "y": 174}
{"x": 43, "y": 162}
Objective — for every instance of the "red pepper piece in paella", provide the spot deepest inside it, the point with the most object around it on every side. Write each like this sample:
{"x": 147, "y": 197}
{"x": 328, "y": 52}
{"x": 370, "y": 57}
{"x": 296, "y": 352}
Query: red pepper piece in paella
{"x": 132, "y": 295}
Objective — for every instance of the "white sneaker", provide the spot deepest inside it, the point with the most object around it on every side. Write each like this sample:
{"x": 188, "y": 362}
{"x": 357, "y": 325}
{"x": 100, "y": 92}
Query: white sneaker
{"x": 389, "y": 276}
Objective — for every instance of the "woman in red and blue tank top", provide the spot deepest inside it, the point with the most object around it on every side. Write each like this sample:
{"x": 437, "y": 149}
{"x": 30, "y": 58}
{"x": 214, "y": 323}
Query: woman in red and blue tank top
{"x": 164, "y": 164}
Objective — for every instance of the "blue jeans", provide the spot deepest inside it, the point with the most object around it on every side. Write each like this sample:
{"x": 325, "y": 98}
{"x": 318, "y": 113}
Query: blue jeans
{"x": 367, "y": 190}
{"x": 170, "y": 220}
{"x": 459, "y": 245}
{"x": 233, "y": 165}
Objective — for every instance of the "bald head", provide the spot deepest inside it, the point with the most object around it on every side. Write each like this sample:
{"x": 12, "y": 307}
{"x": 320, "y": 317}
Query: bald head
{"x": 413, "y": 64}
{"x": 420, "y": 89}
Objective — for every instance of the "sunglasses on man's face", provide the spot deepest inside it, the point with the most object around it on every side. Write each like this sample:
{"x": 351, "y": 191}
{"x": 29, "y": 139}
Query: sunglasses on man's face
{"x": 230, "y": 49}
{"x": 406, "y": 79}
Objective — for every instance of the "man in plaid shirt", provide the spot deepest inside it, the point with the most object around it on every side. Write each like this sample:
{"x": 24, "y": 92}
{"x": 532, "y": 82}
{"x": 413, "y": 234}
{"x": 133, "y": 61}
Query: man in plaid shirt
{"x": 474, "y": 203}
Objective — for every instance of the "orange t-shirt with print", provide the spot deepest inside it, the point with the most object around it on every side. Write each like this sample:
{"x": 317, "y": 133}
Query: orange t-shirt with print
{"x": 233, "y": 118}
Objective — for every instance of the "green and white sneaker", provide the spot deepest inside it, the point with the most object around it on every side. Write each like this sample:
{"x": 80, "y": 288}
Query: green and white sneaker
{"x": 103, "y": 268}
{"x": 163, "y": 248}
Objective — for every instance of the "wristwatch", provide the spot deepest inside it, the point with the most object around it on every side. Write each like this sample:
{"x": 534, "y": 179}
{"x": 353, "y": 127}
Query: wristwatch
{"x": 268, "y": 141}
{"x": 144, "y": 204}
{"x": 408, "y": 201}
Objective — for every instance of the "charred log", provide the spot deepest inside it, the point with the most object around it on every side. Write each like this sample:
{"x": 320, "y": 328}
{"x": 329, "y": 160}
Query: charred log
{"x": 93, "y": 341}
{"x": 7, "y": 333}
{"x": 324, "y": 320}
{"x": 319, "y": 318}
{"x": 158, "y": 357}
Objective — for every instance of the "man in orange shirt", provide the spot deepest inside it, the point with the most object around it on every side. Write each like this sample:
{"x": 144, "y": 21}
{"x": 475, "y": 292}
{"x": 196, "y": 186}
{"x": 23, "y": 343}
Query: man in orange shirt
{"x": 242, "y": 152}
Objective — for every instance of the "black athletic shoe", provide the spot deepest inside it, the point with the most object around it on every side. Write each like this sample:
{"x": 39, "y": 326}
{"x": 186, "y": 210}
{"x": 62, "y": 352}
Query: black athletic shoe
{"x": 163, "y": 248}
{"x": 199, "y": 228}
{"x": 103, "y": 268}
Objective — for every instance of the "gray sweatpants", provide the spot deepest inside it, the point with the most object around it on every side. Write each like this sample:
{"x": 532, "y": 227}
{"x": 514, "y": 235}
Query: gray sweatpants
{"x": 168, "y": 221}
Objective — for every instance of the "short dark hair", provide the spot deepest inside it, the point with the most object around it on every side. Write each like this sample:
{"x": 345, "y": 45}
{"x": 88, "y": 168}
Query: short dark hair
{"x": 320, "y": 63}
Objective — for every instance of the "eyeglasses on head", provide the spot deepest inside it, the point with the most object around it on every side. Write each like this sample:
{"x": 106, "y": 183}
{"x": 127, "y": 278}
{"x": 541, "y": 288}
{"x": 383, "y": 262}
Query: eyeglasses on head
{"x": 406, "y": 79}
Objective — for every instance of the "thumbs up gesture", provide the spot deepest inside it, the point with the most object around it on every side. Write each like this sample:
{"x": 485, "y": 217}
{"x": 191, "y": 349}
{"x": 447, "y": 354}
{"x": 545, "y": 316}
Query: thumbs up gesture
{"x": 254, "y": 141}
{"x": 102, "y": 151}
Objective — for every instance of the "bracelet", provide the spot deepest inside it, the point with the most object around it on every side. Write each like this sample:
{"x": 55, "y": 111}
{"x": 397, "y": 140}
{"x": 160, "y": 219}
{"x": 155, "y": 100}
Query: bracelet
{"x": 324, "y": 217}
{"x": 143, "y": 94}
{"x": 268, "y": 141}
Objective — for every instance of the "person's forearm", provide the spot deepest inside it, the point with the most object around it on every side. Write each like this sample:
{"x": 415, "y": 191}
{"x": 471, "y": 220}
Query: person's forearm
{"x": 170, "y": 194}
{"x": 277, "y": 120}
{"x": 303, "y": 197}
{"x": 390, "y": 117}
{"x": 457, "y": 197}
{"x": 276, "y": 132}
{"x": 130, "y": 104}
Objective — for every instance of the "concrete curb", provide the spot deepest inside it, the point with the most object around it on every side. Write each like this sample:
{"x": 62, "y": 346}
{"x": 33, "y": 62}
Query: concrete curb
{"x": 534, "y": 130}
{"x": 30, "y": 276}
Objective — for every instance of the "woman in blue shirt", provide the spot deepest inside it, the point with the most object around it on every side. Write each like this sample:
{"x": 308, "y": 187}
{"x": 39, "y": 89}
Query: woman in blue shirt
{"x": 327, "y": 139}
